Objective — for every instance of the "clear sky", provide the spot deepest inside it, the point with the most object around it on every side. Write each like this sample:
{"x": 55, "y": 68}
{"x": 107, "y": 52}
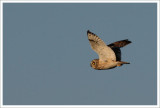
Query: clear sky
{"x": 47, "y": 54}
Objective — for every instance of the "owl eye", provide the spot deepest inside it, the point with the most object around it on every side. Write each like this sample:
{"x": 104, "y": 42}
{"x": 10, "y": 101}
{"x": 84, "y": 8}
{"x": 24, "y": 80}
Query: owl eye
{"x": 93, "y": 63}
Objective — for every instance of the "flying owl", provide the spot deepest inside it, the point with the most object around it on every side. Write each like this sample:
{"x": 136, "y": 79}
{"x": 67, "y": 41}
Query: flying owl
{"x": 109, "y": 55}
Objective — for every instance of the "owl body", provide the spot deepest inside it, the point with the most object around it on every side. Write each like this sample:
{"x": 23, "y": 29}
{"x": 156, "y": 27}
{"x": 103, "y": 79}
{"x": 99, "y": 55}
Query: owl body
{"x": 109, "y": 55}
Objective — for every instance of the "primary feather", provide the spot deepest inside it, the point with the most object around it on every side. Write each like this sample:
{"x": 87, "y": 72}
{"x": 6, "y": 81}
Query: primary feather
{"x": 105, "y": 53}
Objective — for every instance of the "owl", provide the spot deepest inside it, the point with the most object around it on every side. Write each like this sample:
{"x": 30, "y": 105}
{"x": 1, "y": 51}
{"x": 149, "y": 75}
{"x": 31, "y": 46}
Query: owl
{"x": 109, "y": 55}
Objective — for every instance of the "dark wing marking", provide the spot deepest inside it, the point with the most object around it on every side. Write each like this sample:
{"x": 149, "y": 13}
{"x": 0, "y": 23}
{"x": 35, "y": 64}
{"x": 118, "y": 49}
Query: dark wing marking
{"x": 120, "y": 44}
{"x": 116, "y": 47}
{"x": 117, "y": 52}
{"x": 97, "y": 44}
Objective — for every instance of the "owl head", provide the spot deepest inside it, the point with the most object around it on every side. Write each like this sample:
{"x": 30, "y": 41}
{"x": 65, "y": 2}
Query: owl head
{"x": 94, "y": 63}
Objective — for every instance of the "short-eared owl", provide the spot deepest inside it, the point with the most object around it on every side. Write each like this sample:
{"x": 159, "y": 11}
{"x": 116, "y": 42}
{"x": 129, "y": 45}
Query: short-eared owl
{"x": 109, "y": 55}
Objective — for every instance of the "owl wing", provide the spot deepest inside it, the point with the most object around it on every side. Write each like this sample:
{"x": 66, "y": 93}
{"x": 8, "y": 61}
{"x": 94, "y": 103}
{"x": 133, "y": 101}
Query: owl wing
{"x": 116, "y": 47}
{"x": 120, "y": 43}
{"x": 104, "y": 52}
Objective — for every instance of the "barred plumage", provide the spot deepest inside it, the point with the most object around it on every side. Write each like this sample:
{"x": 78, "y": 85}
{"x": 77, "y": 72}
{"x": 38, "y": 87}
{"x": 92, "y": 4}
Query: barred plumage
{"x": 109, "y": 55}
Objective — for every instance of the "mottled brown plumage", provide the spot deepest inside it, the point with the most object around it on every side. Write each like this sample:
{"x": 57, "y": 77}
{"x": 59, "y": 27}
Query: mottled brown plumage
{"x": 109, "y": 55}
{"x": 120, "y": 44}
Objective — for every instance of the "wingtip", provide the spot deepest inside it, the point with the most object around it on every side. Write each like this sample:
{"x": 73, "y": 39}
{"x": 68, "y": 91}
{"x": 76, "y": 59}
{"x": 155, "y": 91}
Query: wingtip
{"x": 128, "y": 41}
{"x": 88, "y": 31}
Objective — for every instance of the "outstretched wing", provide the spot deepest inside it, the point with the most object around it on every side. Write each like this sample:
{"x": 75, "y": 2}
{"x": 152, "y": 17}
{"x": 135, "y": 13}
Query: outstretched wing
{"x": 116, "y": 47}
{"x": 104, "y": 52}
{"x": 120, "y": 43}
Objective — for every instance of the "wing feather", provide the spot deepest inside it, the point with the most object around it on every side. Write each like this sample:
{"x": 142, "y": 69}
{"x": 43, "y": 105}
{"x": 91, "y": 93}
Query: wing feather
{"x": 120, "y": 43}
{"x": 104, "y": 52}
{"x": 116, "y": 47}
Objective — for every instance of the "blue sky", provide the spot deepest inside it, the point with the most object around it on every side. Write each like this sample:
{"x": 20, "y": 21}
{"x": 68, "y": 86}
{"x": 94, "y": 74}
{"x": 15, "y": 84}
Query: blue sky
{"x": 47, "y": 54}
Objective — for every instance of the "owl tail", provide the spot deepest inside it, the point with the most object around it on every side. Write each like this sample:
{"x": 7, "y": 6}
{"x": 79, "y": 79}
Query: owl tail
{"x": 120, "y": 63}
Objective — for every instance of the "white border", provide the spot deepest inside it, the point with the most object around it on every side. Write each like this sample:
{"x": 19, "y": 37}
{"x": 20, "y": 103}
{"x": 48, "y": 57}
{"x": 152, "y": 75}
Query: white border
{"x": 84, "y": 106}
{"x": 80, "y": 1}
{"x": 158, "y": 60}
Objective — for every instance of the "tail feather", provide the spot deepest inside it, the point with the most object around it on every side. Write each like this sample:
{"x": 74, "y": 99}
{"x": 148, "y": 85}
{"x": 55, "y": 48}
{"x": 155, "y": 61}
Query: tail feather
{"x": 120, "y": 63}
{"x": 120, "y": 44}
